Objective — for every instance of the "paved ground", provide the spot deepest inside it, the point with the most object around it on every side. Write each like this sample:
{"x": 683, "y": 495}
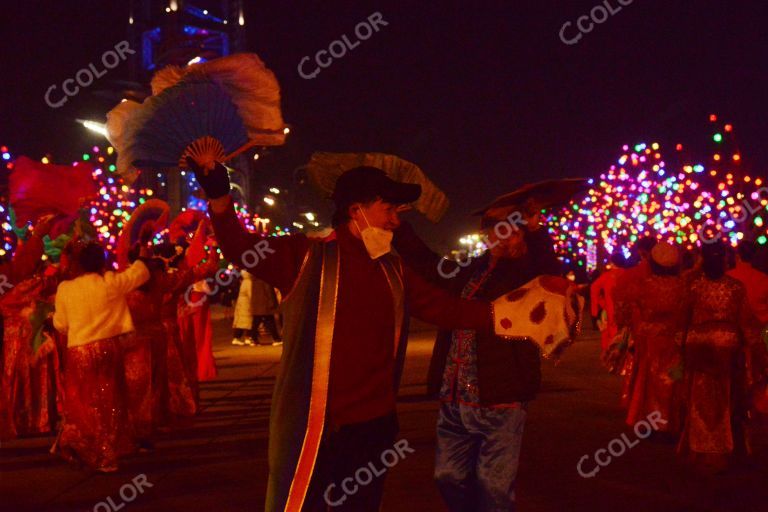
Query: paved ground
{"x": 219, "y": 462}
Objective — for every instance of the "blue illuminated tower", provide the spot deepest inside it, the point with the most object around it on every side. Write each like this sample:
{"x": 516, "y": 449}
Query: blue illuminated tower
{"x": 183, "y": 33}
{"x": 179, "y": 32}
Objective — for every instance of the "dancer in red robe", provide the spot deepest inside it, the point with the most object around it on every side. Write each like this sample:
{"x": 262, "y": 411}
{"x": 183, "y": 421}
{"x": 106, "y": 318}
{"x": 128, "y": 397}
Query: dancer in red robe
{"x": 144, "y": 355}
{"x": 172, "y": 394}
{"x": 602, "y": 296}
{"x": 194, "y": 312}
{"x": 721, "y": 330}
{"x": 93, "y": 312}
{"x": 196, "y": 329}
{"x": 657, "y": 331}
{"x": 29, "y": 383}
{"x": 24, "y": 407}
{"x": 626, "y": 313}
{"x": 182, "y": 352}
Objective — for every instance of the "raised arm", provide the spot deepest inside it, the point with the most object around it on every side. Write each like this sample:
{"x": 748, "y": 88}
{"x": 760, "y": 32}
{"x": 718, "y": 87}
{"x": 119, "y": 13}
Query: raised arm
{"x": 438, "y": 307}
{"x": 276, "y": 259}
{"x": 123, "y": 282}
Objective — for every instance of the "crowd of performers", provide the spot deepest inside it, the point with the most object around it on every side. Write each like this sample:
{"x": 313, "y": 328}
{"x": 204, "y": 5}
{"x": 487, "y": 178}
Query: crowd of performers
{"x": 685, "y": 329}
{"x": 123, "y": 350}
{"x": 106, "y": 359}
{"x": 102, "y": 359}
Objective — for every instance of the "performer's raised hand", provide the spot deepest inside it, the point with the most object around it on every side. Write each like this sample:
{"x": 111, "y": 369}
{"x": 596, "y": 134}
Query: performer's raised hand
{"x": 214, "y": 182}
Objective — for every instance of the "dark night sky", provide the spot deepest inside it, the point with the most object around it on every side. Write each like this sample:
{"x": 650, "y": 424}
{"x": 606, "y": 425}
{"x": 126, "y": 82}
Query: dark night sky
{"x": 482, "y": 95}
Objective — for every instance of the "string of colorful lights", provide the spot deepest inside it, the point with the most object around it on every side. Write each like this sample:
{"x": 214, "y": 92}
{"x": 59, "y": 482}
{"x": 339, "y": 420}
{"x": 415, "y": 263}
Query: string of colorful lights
{"x": 111, "y": 209}
{"x": 643, "y": 194}
{"x": 681, "y": 199}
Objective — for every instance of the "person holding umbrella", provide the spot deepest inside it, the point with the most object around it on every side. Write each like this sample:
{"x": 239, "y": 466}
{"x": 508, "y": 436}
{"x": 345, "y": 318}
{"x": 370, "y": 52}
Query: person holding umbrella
{"x": 484, "y": 382}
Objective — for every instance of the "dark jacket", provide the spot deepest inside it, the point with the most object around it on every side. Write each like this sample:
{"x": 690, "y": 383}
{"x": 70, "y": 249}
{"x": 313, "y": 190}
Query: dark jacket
{"x": 507, "y": 371}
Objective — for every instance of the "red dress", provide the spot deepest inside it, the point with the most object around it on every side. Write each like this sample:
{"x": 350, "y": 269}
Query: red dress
{"x": 721, "y": 331}
{"x": 602, "y": 294}
{"x": 182, "y": 351}
{"x": 22, "y": 408}
{"x": 197, "y": 331}
{"x": 30, "y": 379}
{"x": 170, "y": 393}
{"x": 657, "y": 330}
{"x": 626, "y": 313}
{"x": 96, "y": 429}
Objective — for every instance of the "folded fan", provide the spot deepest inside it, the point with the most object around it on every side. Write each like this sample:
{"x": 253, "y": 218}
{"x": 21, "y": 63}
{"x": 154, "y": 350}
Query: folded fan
{"x": 543, "y": 194}
{"x": 211, "y": 111}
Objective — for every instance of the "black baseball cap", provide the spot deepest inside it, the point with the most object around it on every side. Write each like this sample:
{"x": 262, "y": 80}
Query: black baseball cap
{"x": 362, "y": 184}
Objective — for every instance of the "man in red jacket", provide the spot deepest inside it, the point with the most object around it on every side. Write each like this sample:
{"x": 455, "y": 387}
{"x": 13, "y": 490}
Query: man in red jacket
{"x": 347, "y": 301}
{"x": 484, "y": 382}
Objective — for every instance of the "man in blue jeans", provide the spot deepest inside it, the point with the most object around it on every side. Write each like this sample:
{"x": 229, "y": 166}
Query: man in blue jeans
{"x": 483, "y": 382}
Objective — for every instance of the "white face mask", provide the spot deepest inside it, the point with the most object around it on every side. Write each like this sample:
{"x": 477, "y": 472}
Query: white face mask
{"x": 377, "y": 241}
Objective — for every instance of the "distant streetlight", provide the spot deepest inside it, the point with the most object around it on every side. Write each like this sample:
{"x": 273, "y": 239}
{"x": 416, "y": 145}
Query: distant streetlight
{"x": 99, "y": 128}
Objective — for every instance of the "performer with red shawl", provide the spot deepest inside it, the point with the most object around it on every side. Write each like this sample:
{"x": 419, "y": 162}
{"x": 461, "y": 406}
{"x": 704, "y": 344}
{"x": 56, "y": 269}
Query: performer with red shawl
{"x": 28, "y": 382}
{"x": 620, "y": 357}
{"x": 182, "y": 353}
{"x": 92, "y": 311}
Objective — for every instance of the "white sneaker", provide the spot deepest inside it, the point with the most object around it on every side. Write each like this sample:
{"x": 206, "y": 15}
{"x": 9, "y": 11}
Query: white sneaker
{"x": 237, "y": 341}
{"x": 277, "y": 343}
{"x": 249, "y": 341}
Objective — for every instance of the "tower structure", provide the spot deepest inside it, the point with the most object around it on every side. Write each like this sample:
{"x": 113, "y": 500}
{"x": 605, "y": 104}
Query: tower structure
{"x": 184, "y": 33}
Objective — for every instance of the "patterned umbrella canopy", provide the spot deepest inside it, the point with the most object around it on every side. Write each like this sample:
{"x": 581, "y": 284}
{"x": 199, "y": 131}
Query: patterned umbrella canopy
{"x": 543, "y": 194}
